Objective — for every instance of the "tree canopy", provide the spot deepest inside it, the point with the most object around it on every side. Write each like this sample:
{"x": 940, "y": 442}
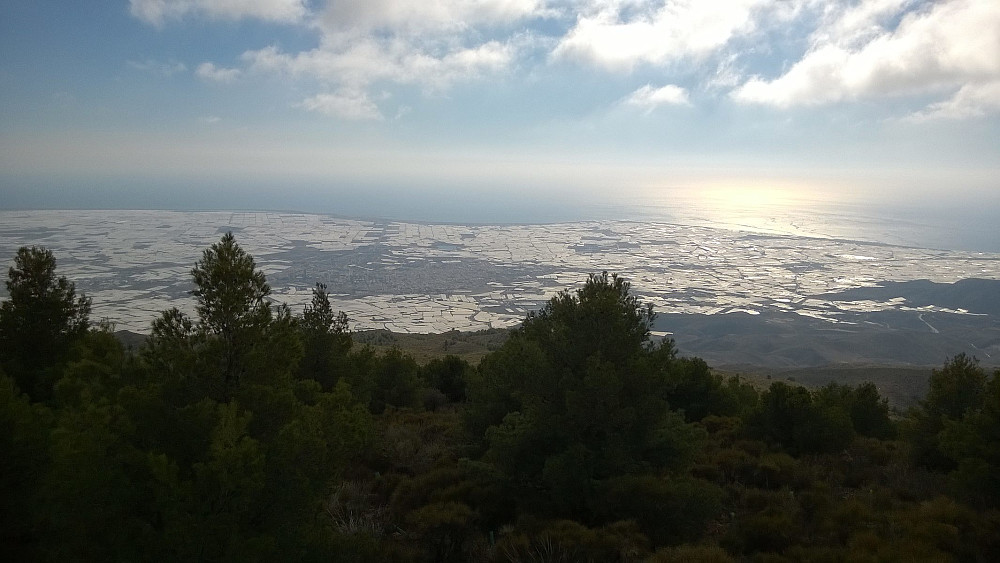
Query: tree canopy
{"x": 248, "y": 433}
{"x": 577, "y": 394}
{"x": 956, "y": 389}
{"x": 40, "y": 320}
{"x": 232, "y": 302}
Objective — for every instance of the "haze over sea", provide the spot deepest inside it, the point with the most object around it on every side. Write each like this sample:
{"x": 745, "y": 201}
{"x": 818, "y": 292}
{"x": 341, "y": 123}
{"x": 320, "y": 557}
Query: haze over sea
{"x": 967, "y": 222}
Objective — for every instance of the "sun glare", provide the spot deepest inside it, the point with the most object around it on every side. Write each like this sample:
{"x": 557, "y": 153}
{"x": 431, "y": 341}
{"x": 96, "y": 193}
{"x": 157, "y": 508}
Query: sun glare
{"x": 742, "y": 198}
{"x": 769, "y": 206}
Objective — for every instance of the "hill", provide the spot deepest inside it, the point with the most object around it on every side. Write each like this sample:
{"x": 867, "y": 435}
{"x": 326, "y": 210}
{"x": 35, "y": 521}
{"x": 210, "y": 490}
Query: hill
{"x": 917, "y": 323}
{"x": 470, "y": 346}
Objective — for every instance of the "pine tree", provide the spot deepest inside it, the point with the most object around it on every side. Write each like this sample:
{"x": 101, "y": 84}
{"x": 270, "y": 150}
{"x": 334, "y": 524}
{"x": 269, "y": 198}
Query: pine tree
{"x": 40, "y": 321}
{"x": 232, "y": 301}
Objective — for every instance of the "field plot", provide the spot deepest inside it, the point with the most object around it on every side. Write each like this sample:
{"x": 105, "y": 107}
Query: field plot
{"x": 420, "y": 278}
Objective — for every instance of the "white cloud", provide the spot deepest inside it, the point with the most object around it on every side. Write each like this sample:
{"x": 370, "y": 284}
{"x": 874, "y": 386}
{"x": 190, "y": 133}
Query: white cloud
{"x": 158, "y": 12}
{"x": 940, "y": 48}
{"x": 972, "y": 100}
{"x": 345, "y": 104}
{"x": 410, "y": 17}
{"x": 210, "y": 72}
{"x": 650, "y": 98}
{"x": 727, "y": 74}
{"x": 851, "y": 49}
{"x": 852, "y": 24}
{"x": 617, "y": 35}
{"x": 369, "y": 60}
{"x": 210, "y": 119}
{"x": 432, "y": 45}
{"x": 402, "y": 112}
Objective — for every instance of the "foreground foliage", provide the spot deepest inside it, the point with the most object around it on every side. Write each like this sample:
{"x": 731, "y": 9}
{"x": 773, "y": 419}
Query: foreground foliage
{"x": 251, "y": 433}
{"x": 39, "y": 322}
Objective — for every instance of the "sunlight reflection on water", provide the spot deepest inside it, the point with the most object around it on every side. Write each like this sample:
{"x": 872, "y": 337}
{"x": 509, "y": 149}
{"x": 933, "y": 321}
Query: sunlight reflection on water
{"x": 940, "y": 220}
{"x": 784, "y": 212}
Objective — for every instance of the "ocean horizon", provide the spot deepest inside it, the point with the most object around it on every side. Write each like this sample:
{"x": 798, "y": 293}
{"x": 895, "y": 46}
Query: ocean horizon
{"x": 965, "y": 223}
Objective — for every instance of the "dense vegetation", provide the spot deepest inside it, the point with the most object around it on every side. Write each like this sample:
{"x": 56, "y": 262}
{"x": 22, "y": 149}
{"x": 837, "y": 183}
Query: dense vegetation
{"x": 251, "y": 433}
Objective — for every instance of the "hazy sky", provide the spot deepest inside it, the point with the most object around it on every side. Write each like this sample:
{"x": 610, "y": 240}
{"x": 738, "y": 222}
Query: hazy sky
{"x": 286, "y": 98}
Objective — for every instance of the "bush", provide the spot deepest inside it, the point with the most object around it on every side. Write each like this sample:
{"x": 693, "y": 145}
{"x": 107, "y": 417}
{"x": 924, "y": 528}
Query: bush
{"x": 448, "y": 375}
{"x": 789, "y": 416}
{"x": 668, "y": 511}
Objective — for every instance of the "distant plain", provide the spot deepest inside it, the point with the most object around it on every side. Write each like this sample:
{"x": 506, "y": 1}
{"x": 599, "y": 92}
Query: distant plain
{"x": 773, "y": 286}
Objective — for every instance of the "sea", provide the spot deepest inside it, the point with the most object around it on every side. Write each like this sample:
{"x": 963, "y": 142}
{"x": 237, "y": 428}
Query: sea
{"x": 434, "y": 260}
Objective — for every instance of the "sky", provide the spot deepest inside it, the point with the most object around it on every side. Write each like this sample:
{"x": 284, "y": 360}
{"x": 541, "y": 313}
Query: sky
{"x": 313, "y": 104}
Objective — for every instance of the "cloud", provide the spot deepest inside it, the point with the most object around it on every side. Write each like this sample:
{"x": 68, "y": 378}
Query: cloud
{"x": 944, "y": 55}
{"x": 432, "y": 45}
{"x": 972, "y": 100}
{"x": 619, "y": 35}
{"x": 369, "y": 60}
{"x": 210, "y": 72}
{"x": 650, "y": 98}
{"x": 158, "y": 12}
{"x": 344, "y": 104}
{"x": 410, "y": 17}
{"x": 210, "y": 119}
{"x": 943, "y": 47}
{"x": 350, "y": 69}
{"x": 402, "y": 111}
{"x": 158, "y": 67}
